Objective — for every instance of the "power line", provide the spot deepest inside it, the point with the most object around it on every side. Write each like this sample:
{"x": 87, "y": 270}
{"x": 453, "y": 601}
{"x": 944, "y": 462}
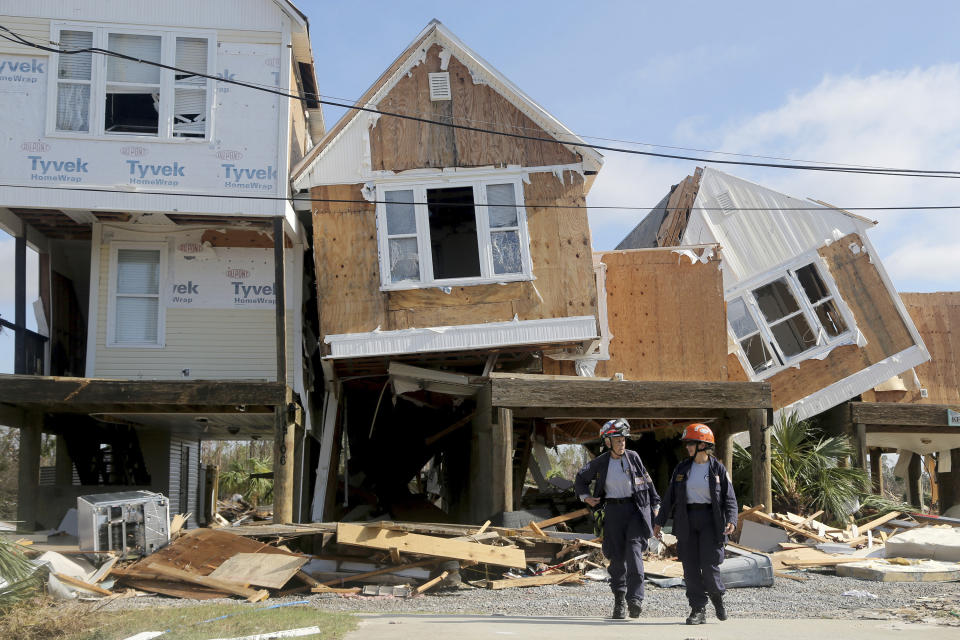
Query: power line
{"x": 526, "y": 205}
{"x": 885, "y": 171}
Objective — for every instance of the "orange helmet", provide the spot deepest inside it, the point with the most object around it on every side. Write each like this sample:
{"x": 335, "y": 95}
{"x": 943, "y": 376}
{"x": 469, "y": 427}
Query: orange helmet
{"x": 697, "y": 432}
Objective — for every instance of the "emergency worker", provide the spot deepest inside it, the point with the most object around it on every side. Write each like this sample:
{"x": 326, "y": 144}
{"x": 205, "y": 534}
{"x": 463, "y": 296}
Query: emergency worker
{"x": 629, "y": 501}
{"x": 701, "y": 501}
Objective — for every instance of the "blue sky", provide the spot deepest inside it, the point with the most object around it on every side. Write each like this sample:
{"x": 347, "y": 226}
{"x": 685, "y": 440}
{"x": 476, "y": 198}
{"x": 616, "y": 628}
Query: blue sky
{"x": 852, "y": 82}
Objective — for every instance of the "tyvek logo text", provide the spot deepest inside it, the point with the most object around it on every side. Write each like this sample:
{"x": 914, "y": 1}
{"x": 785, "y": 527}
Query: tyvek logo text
{"x": 247, "y": 178}
{"x": 21, "y": 71}
{"x": 154, "y": 174}
{"x": 57, "y": 170}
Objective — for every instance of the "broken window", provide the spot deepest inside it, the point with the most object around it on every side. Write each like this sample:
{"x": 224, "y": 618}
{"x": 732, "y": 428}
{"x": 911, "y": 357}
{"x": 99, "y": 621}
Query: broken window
{"x": 786, "y": 318}
{"x": 129, "y": 97}
{"x": 466, "y": 234}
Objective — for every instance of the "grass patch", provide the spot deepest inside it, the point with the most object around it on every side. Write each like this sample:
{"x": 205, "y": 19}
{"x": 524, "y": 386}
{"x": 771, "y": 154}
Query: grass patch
{"x": 42, "y": 619}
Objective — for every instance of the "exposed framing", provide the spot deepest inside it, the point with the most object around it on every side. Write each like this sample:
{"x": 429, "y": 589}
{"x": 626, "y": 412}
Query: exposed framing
{"x": 478, "y": 182}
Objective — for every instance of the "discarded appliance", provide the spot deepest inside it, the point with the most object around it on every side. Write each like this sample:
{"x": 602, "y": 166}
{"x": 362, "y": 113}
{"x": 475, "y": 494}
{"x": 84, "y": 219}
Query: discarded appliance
{"x": 133, "y": 523}
{"x": 746, "y": 570}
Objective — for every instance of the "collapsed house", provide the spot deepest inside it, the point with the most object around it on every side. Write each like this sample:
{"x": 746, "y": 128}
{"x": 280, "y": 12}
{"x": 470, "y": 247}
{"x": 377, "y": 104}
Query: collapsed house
{"x": 170, "y": 263}
{"x": 811, "y": 310}
{"x": 454, "y": 275}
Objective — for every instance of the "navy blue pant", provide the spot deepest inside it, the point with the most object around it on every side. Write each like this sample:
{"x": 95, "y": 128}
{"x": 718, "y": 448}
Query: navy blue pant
{"x": 624, "y": 541}
{"x": 701, "y": 557}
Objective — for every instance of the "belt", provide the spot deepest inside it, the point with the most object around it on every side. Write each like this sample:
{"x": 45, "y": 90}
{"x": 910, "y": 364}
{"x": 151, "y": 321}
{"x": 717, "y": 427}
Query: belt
{"x": 698, "y": 506}
{"x": 619, "y": 500}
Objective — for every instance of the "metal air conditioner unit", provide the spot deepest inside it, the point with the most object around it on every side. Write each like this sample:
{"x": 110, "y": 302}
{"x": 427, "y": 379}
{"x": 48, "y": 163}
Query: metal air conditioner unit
{"x": 132, "y": 523}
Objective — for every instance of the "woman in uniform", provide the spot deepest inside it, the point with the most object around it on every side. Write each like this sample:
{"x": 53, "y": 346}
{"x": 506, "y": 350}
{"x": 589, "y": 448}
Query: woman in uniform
{"x": 625, "y": 492}
{"x": 701, "y": 501}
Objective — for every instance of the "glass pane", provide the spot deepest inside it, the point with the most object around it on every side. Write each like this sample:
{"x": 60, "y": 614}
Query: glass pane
{"x": 506, "y": 252}
{"x": 502, "y": 205}
{"x": 190, "y": 112}
{"x": 73, "y": 107}
{"x": 776, "y": 300}
{"x": 137, "y": 46}
{"x": 138, "y": 271}
{"x": 812, "y": 283}
{"x": 758, "y": 354}
{"x": 740, "y": 319}
{"x": 453, "y": 233}
{"x": 191, "y": 55}
{"x": 401, "y": 219}
{"x": 404, "y": 260}
{"x": 137, "y": 319}
{"x": 75, "y": 66}
{"x": 794, "y": 335}
{"x": 830, "y": 319}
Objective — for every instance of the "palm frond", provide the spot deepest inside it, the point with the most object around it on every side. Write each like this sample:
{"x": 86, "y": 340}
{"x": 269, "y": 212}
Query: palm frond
{"x": 19, "y": 578}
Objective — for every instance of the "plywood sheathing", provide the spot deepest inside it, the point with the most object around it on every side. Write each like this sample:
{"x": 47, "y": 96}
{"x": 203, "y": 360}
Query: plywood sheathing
{"x": 348, "y": 270}
{"x": 398, "y": 144}
{"x": 875, "y": 314}
{"x": 244, "y": 238}
{"x": 666, "y": 315}
{"x": 937, "y": 318}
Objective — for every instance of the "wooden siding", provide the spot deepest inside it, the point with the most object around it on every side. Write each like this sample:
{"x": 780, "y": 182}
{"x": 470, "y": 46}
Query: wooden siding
{"x": 398, "y": 144}
{"x": 215, "y": 344}
{"x": 666, "y": 316}
{"x": 937, "y": 318}
{"x": 875, "y": 313}
{"x": 348, "y": 271}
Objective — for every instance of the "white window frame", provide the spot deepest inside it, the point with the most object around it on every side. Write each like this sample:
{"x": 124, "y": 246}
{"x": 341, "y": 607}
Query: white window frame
{"x": 427, "y": 280}
{"x": 98, "y": 82}
{"x": 825, "y": 343}
{"x": 111, "y": 341}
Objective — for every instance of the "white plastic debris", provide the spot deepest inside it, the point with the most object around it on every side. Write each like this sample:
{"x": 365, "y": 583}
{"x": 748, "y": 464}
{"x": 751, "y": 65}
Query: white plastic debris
{"x": 859, "y": 593}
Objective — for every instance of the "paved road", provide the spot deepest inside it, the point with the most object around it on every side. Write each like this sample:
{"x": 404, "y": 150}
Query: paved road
{"x": 433, "y": 627}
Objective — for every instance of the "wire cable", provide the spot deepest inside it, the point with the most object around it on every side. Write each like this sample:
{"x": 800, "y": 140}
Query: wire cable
{"x": 885, "y": 171}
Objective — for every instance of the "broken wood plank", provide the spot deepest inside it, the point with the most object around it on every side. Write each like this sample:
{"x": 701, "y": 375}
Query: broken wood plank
{"x": 269, "y": 570}
{"x": 784, "y": 574}
{"x": 251, "y": 595}
{"x": 430, "y": 583}
{"x": 483, "y": 528}
{"x": 537, "y": 530}
{"x": 377, "y": 538}
{"x": 549, "y": 522}
{"x": 76, "y": 582}
{"x": 746, "y": 511}
{"x": 175, "y": 589}
{"x": 377, "y": 572}
{"x": 787, "y": 526}
{"x": 809, "y": 519}
{"x": 534, "y": 581}
{"x": 325, "y": 589}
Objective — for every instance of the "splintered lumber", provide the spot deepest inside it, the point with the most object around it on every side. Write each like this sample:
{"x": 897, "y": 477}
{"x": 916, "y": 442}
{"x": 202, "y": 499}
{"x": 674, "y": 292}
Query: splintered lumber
{"x": 269, "y": 570}
{"x": 377, "y": 538}
{"x": 430, "y": 583}
{"x": 348, "y": 590}
{"x": 483, "y": 528}
{"x": 809, "y": 557}
{"x": 537, "y": 530}
{"x": 746, "y": 511}
{"x": 369, "y": 574}
{"x": 882, "y": 520}
{"x": 82, "y": 585}
{"x": 787, "y": 526}
{"x": 549, "y": 522}
{"x": 251, "y": 595}
{"x": 535, "y": 581}
{"x": 810, "y": 519}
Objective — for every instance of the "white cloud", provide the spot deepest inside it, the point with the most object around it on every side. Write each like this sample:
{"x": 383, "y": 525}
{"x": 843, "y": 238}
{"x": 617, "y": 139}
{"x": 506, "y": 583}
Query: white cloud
{"x": 904, "y": 119}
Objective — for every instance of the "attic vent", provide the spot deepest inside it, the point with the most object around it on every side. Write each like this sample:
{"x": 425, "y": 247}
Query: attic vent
{"x": 439, "y": 86}
{"x": 726, "y": 203}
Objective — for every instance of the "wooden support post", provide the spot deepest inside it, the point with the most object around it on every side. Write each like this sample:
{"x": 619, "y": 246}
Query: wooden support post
{"x": 298, "y": 472}
{"x": 63, "y": 464}
{"x": 950, "y": 483}
{"x": 279, "y": 281}
{"x": 876, "y": 470}
{"x": 914, "y": 484}
{"x": 523, "y": 445}
{"x": 20, "y": 303}
{"x": 485, "y": 482}
{"x": 284, "y": 451}
{"x": 503, "y": 460}
{"x": 931, "y": 467}
{"x": 859, "y": 433}
{"x": 760, "y": 456}
{"x": 28, "y": 473}
{"x": 723, "y": 434}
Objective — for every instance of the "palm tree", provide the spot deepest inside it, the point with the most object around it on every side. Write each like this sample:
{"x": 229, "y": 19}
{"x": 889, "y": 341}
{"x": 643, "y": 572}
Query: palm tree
{"x": 19, "y": 578}
{"x": 808, "y": 471}
{"x": 238, "y": 478}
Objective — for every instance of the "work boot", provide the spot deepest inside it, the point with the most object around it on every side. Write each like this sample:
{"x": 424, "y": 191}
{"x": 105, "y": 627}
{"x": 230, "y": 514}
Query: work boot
{"x": 619, "y": 607}
{"x": 697, "y": 616}
{"x": 717, "y": 600}
{"x": 634, "y": 606}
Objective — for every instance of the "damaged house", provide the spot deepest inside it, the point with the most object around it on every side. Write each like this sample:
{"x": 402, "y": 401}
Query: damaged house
{"x": 170, "y": 261}
{"x": 456, "y": 284}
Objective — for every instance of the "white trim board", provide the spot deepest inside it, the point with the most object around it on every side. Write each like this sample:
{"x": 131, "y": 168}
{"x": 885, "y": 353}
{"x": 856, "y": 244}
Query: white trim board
{"x": 463, "y": 337}
{"x": 855, "y": 384}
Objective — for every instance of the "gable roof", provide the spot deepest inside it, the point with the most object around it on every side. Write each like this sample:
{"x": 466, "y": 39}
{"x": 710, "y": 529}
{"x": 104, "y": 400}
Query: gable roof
{"x": 436, "y": 33}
